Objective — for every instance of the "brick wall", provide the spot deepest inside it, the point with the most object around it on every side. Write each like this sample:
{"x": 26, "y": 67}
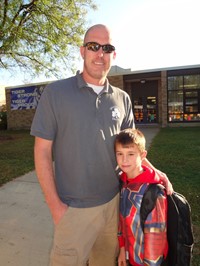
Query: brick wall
{"x": 116, "y": 81}
{"x": 163, "y": 92}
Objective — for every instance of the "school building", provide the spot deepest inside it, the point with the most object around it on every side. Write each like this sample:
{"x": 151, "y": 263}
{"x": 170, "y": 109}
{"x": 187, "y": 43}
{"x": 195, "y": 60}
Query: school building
{"x": 164, "y": 97}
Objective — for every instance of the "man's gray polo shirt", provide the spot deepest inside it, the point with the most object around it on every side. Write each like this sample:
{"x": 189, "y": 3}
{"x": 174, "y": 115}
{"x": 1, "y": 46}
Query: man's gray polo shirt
{"x": 83, "y": 125}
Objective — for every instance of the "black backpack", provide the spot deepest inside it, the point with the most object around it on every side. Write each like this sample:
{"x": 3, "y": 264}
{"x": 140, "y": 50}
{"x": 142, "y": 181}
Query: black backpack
{"x": 179, "y": 225}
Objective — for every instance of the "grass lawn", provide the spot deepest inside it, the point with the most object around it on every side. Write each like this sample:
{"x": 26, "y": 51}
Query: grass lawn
{"x": 175, "y": 151}
{"x": 16, "y": 154}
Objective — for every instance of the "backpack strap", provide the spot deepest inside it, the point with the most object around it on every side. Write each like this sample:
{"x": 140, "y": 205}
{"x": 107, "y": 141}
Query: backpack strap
{"x": 149, "y": 201}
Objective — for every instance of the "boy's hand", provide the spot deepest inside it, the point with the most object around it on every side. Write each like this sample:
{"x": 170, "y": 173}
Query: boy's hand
{"x": 122, "y": 257}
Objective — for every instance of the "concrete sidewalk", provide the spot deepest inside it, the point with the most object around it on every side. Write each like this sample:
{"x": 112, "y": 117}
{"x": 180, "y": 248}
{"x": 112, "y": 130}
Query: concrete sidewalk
{"x": 26, "y": 227}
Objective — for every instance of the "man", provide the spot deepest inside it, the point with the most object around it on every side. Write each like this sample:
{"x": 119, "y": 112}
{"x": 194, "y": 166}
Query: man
{"x": 78, "y": 119}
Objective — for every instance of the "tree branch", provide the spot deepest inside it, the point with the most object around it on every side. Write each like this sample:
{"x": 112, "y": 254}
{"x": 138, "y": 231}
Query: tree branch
{"x": 26, "y": 8}
{"x": 5, "y": 12}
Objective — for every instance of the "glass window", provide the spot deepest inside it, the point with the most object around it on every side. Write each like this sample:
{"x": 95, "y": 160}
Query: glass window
{"x": 191, "y": 93}
{"x": 138, "y": 109}
{"x": 184, "y": 98}
{"x": 175, "y": 83}
{"x": 151, "y": 108}
{"x": 192, "y": 117}
{"x": 175, "y": 105}
{"x": 192, "y": 82}
{"x": 191, "y": 109}
{"x": 191, "y": 101}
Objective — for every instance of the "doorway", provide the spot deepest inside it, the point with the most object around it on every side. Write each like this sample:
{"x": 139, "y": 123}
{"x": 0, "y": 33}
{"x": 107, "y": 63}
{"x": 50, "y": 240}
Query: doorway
{"x": 145, "y": 102}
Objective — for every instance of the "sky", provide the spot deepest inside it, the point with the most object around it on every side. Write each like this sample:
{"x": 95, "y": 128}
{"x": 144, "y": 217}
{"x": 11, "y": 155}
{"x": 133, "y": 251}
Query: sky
{"x": 148, "y": 34}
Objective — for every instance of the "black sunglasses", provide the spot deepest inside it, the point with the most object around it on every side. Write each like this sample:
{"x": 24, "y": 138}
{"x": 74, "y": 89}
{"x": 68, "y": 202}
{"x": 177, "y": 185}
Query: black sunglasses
{"x": 94, "y": 46}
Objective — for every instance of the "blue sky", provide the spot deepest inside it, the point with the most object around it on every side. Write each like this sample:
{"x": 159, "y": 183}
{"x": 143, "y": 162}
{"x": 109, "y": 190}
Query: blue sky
{"x": 153, "y": 33}
{"x": 148, "y": 34}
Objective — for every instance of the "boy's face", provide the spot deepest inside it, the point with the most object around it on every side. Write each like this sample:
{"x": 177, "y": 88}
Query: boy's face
{"x": 129, "y": 159}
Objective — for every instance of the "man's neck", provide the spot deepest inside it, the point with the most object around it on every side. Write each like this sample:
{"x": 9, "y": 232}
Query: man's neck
{"x": 96, "y": 82}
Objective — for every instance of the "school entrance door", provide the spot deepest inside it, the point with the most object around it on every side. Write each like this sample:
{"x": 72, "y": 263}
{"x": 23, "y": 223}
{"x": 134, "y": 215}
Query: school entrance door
{"x": 145, "y": 102}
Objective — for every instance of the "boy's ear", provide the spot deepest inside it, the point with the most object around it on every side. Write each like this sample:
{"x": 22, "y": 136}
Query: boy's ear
{"x": 144, "y": 154}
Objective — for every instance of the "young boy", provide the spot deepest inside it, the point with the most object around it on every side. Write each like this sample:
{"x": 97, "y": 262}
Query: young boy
{"x": 138, "y": 247}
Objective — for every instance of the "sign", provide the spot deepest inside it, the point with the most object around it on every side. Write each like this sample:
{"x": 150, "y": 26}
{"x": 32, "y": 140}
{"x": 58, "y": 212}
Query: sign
{"x": 25, "y": 97}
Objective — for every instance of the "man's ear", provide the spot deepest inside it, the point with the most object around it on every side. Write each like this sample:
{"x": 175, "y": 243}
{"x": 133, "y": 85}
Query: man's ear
{"x": 82, "y": 50}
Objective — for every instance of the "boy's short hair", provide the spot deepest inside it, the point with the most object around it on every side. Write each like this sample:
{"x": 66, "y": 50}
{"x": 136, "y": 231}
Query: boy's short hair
{"x": 129, "y": 137}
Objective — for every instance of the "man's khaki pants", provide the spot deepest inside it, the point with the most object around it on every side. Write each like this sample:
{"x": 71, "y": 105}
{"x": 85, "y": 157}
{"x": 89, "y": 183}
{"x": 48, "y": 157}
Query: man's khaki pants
{"x": 87, "y": 233}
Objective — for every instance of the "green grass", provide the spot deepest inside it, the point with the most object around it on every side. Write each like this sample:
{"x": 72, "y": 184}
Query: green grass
{"x": 16, "y": 154}
{"x": 175, "y": 151}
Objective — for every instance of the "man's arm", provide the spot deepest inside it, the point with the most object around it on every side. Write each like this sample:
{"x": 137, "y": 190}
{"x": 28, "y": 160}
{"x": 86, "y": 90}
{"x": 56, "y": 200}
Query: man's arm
{"x": 45, "y": 174}
{"x": 163, "y": 177}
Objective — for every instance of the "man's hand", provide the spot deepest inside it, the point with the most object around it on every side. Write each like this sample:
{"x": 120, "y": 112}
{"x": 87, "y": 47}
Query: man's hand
{"x": 59, "y": 212}
{"x": 167, "y": 184}
{"x": 162, "y": 176}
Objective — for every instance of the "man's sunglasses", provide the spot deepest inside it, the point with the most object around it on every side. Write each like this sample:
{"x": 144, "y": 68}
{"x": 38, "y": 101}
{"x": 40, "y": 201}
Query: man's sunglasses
{"x": 94, "y": 46}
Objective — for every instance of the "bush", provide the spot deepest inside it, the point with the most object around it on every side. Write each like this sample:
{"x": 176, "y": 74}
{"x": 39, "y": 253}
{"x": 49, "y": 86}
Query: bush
{"x": 3, "y": 120}
{"x": 3, "y": 117}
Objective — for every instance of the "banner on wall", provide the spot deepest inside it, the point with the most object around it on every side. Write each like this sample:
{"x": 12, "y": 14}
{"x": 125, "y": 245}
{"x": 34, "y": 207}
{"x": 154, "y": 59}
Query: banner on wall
{"x": 25, "y": 97}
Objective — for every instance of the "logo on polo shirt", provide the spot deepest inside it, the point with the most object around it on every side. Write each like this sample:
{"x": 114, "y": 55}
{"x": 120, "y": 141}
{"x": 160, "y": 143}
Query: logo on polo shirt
{"x": 115, "y": 113}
